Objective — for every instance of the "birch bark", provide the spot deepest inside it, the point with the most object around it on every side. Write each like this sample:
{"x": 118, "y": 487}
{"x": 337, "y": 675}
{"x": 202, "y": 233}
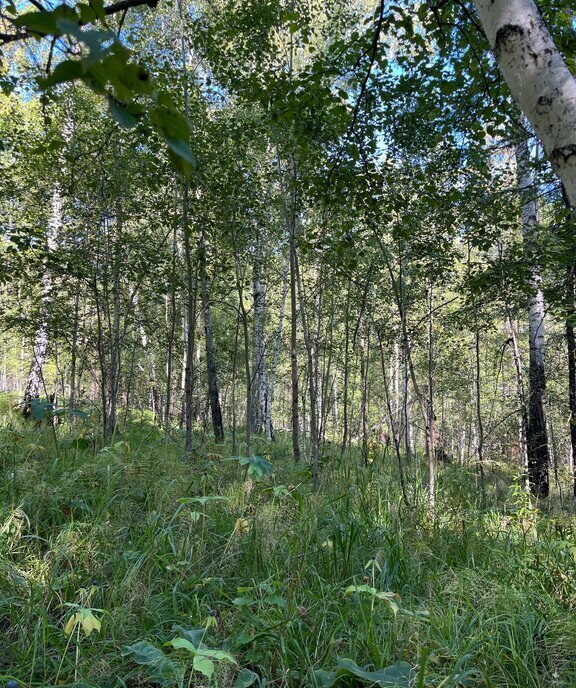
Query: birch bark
{"x": 35, "y": 379}
{"x": 538, "y": 453}
{"x": 537, "y": 77}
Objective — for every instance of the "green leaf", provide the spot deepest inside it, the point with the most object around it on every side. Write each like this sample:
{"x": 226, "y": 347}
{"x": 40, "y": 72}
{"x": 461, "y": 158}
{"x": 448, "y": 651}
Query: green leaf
{"x": 324, "y": 679}
{"x": 399, "y": 675}
{"x": 40, "y": 408}
{"x": 121, "y": 115}
{"x": 168, "y": 122}
{"x": 203, "y": 665}
{"x": 87, "y": 13}
{"x": 182, "y": 644}
{"x": 245, "y": 679}
{"x": 244, "y": 601}
{"x": 98, "y": 7}
{"x": 160, "y": 669}
{"x": 358, "y": 589}
{"x": 143, "y": 652}
{"x": 68, "y": 70}
{"x": 275, "y": 601}
{"x": 37, "y": 22}
{"x": 182, "y": 150}
{"x": 77, "y": 413}
{"x": 218, "y": 654}
{"x": 69, "y": 25}
{"x": 193, "y": 635}
{"x": 258, "y": 466}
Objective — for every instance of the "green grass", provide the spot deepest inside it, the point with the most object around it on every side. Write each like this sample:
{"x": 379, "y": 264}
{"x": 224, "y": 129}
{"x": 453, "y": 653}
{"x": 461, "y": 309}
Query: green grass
{"x": 487, "y": 595}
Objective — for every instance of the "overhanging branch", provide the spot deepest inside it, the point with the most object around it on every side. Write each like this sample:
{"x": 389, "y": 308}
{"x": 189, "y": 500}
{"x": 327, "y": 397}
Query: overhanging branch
{"x": 121, "y": 6}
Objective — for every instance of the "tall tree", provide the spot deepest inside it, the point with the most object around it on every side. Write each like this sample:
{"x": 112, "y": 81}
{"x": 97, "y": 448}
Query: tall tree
{"x": 35, "y": 382}
{"x": 213, "y": 394}
{"x": 258, "y": 351}
{"x": 537, "y": 440}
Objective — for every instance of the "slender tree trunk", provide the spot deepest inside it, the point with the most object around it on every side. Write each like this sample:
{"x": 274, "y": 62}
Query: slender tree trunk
{"x": 521, "y": 393}
{"x": 363, "y": 349}
{"x": 401, "y": 303}
{"x": 394, "y": 424}
{"x": 191, "y": 318}
{"x": 100, "y": 351}
{"x": 327, "y": 388}
{"x": 294, "y": 343}
{"x": 114, "y": 336}
{"x": 4, "y": 387}
{"x": 431, "y": 419}
{"x": 244, "y": 314}
{"x": 171, "y": 337}
{"x": 35, "y": 380}
{"x": 106, "y": 287}
{"x": 74, "y": 349}
{"x": 315, "y": 341}
{"x": 406, "y": 415}
{"x": 346, "y": 430}
{"x": 258, "y": 352}
{"x": 426, "y": 408}
{"x": 571, "y": 342}
{"x": 191, "y": 281}
{"x": 395, "y": 381}
{"x": 150, "y": 359}
{"x": 538, "y": 452}
{"x": 216, "y": 411}
{"x": 276, "y": 357}
{"x": 185, "y": 330}
{"x": 314, "y": 454}
{"x": 234, "y": 377}
{"x": 479, "y": 419}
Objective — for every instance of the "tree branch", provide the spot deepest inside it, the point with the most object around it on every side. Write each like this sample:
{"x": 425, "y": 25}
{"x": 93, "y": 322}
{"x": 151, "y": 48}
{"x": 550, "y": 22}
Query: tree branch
{"x": 121, "y": 6}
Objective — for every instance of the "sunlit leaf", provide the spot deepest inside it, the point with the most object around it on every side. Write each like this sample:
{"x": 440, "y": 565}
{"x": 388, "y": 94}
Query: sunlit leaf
{"x": 203, "y": 665}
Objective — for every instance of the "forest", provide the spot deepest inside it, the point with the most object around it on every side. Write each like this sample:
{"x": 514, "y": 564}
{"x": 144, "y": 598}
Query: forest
{"x": 288, "y": 343}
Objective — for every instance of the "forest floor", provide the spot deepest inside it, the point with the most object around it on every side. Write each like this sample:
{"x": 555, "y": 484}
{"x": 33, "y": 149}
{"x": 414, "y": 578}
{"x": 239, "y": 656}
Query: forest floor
{"x": 108, "y": 555}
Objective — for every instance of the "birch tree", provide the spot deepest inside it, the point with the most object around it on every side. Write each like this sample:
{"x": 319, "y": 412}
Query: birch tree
{"x": 35, "y": 380}
{"x": 537, "y": 77}
{"x": 537, "y": 439}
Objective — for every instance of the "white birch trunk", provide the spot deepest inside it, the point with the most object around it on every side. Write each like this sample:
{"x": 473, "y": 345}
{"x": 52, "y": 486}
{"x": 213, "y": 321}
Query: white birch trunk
{"x": 35, "y": 380}
{"x": 537, "y": 77}
{"x": 538, "y": 452}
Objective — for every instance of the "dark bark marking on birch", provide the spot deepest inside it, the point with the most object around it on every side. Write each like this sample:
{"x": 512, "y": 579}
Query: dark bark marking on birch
{"x": 505, "y": 35}
{"x": 544, "y": 104}
{"x": 563, "y": 154}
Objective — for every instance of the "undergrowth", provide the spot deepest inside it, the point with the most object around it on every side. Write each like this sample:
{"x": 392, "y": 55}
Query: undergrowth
{"x": 127, "y": 566}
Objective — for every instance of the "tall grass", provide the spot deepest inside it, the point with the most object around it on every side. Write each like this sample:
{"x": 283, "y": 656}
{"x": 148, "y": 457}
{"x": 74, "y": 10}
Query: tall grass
{"x": 487, "y": 594}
